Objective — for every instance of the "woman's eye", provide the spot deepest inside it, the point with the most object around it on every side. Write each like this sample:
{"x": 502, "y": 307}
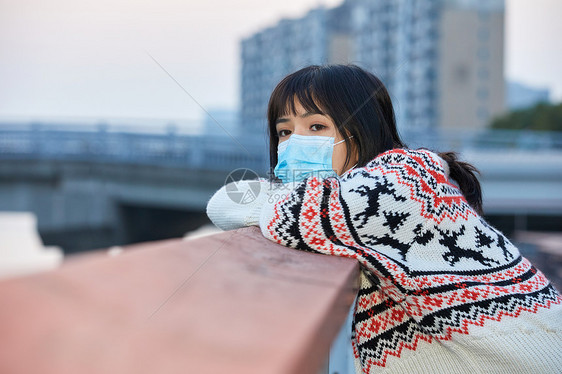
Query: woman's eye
{"x": 317, "y": 127}
{"x": 283, "y": 133}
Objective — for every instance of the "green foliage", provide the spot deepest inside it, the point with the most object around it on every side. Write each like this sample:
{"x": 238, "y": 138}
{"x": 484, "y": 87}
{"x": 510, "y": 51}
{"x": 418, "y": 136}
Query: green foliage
{"x": 541, "y": 117}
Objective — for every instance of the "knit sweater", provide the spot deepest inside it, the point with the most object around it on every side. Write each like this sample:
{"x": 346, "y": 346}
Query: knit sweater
{"x": 441, "y": 290}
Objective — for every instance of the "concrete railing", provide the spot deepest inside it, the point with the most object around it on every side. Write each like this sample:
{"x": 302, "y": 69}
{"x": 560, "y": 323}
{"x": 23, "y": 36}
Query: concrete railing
{"x": 232, "y": 302}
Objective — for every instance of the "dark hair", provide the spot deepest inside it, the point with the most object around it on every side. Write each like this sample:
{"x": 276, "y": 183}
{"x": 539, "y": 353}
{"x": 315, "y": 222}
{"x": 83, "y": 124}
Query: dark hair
{"x": 465, "y": 175}
{"x": 360, "y": 106}
{"x": 353, "y": 98}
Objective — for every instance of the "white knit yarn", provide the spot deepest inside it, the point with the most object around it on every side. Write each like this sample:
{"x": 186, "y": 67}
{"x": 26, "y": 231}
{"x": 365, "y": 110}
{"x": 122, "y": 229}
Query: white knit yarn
{"x": 228, "y": 214}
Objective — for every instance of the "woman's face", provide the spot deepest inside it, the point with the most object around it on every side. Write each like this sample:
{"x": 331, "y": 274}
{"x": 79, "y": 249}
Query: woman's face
{"x": 310, "y": 124}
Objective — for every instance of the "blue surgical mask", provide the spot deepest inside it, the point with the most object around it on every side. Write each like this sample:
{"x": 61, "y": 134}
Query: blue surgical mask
{"x": 301, "y": 156}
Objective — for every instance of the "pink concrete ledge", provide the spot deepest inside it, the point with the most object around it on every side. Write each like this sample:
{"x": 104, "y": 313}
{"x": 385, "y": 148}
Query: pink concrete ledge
{"x": 228, "y": 303}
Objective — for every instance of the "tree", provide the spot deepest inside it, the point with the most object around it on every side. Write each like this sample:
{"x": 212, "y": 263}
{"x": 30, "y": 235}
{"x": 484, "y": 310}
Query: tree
{"x": 541, "y": 117}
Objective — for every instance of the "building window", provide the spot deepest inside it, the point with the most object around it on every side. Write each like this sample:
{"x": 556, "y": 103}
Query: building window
{"x": 483, "y": 93}
{"x": 482, "y": 113}
{"x": 483, "y": 53}
{"x": 483, "y": 34}
{"x": 461, "y": 74}
{"x": 484, "y": 16}
{"x": 483, "y": 73}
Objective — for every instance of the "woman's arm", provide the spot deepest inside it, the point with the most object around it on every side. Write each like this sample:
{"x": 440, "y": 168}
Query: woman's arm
{"x": 237, "y": 204}
{"x": 318, "y": 215}
{"x": 399, "y": 213}
{"x": 374, "y": 214}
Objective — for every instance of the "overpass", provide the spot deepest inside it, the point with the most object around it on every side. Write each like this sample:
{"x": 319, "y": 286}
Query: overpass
{"x": 97, "y": 186}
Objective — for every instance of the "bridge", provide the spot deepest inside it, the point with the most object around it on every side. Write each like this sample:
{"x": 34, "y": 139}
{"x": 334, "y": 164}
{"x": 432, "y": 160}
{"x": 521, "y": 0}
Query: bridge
{"x": 95, "y": 186}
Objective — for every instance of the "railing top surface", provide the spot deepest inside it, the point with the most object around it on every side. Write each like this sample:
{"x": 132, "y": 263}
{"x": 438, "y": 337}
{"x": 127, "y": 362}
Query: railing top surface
{"x": 232, "y": 302}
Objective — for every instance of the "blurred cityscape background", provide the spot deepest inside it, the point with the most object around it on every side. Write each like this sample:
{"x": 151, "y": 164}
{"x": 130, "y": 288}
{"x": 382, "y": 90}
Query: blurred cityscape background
{"x": 99, "y": 166}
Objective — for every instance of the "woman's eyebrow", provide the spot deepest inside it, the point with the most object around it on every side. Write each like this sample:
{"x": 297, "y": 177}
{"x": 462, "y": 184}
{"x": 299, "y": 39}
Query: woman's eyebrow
{"x": 304, "y": 115}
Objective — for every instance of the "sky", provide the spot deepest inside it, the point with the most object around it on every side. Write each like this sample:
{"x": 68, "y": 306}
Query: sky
{"x": 123, "y": 59}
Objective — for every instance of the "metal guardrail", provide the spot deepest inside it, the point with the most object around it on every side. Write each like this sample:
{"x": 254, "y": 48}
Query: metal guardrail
{"x": 485, "y": 139}
{"x": 101, "y": 144}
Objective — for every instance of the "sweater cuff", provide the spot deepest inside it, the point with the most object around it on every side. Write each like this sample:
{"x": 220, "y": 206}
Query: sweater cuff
{"x": 238, "y": 204}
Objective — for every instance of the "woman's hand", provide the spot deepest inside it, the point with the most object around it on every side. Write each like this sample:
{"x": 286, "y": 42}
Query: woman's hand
{"x": 239, "y": 203}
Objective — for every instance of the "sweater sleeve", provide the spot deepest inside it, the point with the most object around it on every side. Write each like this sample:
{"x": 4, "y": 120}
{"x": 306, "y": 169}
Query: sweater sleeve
{"x": 237, "y": 204}
{"x": 374, "y": 214}
{"x": 321, "y": 215}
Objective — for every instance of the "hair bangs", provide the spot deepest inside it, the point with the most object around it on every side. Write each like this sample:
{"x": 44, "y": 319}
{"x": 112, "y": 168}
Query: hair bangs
{"x": 356, "y": 101}
{"x": 291, "y": 90}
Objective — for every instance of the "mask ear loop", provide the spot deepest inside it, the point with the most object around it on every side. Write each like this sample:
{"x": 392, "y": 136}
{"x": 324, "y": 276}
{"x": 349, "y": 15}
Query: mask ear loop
{"x": 343, "y": 140}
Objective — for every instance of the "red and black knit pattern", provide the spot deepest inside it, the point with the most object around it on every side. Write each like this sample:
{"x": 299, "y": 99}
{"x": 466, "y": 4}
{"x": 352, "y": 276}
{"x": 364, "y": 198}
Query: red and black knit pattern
{"x": 435, "y": 267}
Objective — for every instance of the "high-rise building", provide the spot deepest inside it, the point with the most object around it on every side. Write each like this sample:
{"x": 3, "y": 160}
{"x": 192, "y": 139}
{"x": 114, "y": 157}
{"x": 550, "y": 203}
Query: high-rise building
{"x": 471, "y": 88}
{"x": 441, "y": 60}
{"x": 321, "y": 36}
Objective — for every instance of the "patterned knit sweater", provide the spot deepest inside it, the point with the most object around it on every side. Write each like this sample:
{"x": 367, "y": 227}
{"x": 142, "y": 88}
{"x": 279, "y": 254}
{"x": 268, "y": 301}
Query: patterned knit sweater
{"x": 441, "y": 290}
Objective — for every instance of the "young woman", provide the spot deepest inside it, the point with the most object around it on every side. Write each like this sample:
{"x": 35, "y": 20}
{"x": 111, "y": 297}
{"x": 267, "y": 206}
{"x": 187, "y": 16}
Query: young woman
{"x": 441, "y": 290}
